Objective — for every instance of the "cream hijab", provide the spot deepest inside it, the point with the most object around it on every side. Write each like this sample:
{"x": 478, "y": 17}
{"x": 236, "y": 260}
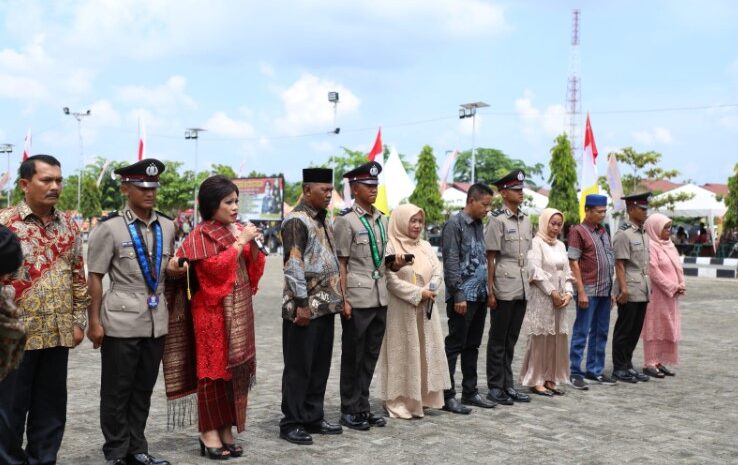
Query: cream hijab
{"x": 402, "y": 243}
{"x": 543, "y": 220}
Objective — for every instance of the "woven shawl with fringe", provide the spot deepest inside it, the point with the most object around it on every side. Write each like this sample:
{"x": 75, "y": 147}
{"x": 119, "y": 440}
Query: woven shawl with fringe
{"x": 180, "y": 375}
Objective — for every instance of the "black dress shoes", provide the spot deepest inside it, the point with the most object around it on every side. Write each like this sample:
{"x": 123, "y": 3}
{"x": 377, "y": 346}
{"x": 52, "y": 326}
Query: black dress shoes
{"x": 499, "y": 396}
{"x": 624, "y": 376}
{"x": 517, "y": 396}
{"x": 323, "y": 427}
{"x": 638, "y": 375}
{"x": 478, "y": 401}
{"x": 145, "y": 459}
{"x": 653, "y": 372}
{"x": 116, "y": 462}
{"x": 454, "y": 406}
{"x": 665, "y": 370}
{"x": 296, "y": 435}
{"x": 374, "y": 420}
{"x": 354, "y": 421}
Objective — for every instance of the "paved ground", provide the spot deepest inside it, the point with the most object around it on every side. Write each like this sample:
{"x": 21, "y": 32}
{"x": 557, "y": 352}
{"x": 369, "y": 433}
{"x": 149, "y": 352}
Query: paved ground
{"x": 692, "y": 418}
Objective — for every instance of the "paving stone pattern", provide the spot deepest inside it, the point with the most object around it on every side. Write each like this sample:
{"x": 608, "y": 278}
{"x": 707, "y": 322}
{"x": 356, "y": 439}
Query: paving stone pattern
{"x": 691, "y": 418}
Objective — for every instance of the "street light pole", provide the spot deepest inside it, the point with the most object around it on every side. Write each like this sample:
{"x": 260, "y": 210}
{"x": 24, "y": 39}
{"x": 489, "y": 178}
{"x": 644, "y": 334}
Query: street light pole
{"x": 470, "y": 110}
{"x": 194, "y": 134}
{"x": 78, "y": 115}
{"x": 7, "y": 148}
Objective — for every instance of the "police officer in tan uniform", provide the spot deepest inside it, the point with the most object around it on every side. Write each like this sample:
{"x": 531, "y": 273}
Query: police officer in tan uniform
{"x": 361, "y": 240}
{"x": 130, "y": 320}
{"x": 508, "y": 238}
{"x": 632, "y": 287}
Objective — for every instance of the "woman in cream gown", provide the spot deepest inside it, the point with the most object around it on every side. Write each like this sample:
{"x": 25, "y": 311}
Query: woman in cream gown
{"x": 413, "y": 371}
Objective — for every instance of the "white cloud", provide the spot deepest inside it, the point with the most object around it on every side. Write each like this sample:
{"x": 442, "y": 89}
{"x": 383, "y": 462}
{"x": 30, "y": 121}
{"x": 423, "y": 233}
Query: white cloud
{"x": 222, "y": 124}
{"x": 535, "y": 122}
{"x": 31, "y": 75}
{"x": 306, "y": 105}
{"x": 169, "y": 95}
{"x": 653, "y": 137}
{"x": 102, "y": 114}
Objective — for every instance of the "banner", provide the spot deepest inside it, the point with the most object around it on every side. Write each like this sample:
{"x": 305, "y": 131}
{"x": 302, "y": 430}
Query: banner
{"x": 260, "y": 199}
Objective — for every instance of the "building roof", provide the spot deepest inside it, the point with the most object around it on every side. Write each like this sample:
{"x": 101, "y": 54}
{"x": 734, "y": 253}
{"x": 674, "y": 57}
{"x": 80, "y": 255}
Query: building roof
{"x": 659, "y": 185}
{"x": 719, "y": 189}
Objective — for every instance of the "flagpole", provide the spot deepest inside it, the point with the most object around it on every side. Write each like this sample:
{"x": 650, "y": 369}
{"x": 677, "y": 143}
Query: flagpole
{"x": 7, "y": 148}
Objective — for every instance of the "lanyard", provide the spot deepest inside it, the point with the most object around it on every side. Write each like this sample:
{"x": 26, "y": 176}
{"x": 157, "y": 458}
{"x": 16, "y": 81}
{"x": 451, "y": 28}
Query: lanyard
{"x": 151, "y": 271}
{"x": 376, "y": 257}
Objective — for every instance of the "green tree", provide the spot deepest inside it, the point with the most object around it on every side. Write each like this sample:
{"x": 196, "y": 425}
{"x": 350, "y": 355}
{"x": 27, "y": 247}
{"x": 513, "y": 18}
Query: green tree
{"x": 730, "y": 221}
{"x": 109, "y": 188}
{"x": 492, "y": 164}
{"x": 644, "y": 166}
{"x": 224, "y": 170}
{"x": 563, "y": 180}
{"x": 177, "y": 189}
{"x": 256, "y": 174}
{"x": 427, "y": 194}
{"x": 292, "y": 191}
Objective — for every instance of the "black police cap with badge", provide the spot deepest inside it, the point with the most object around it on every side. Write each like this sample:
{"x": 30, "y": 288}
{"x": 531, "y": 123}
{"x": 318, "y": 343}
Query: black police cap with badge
{"x": 368, "y": 173}
{"x": 514, "y": 180}
{"x": 144, "y": 174}
{"x": 639, "y": 200}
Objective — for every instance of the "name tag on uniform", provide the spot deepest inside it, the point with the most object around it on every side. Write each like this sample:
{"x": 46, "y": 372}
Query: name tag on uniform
{"x": 126, "y": 244}
{"x": 509, "y": 231}
{"x": 362, "y": 233}
{"x": 636, "y": 242}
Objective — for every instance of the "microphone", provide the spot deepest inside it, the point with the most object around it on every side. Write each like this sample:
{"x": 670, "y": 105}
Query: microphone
{"x": 432, "y": 286}
{"x": 260, "y": 245}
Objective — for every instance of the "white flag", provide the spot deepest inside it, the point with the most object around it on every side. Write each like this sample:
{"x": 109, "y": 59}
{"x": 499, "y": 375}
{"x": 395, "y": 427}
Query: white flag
{"x": 399, "y": 184}
{"x": 616, "y": 186}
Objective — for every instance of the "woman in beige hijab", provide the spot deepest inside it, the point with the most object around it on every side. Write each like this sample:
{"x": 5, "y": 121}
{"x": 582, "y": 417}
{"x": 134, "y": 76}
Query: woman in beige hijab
{"x": 413, "y": 371}
{"x": 546, "y": 360}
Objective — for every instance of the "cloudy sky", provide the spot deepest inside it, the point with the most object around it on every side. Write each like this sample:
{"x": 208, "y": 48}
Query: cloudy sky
{"x": 659, "y": 75}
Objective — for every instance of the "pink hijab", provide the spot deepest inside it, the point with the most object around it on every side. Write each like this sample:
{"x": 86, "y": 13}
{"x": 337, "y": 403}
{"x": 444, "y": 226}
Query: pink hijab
{"x": 654, "y": 224}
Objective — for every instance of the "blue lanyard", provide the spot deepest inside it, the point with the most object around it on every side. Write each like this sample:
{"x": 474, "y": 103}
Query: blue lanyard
{"x": 151, "y": 276}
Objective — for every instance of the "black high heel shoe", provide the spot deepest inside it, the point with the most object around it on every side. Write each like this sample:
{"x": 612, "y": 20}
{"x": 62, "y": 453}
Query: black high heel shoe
{"x": 235, "y": 449}
{"x": 214, "y": 453}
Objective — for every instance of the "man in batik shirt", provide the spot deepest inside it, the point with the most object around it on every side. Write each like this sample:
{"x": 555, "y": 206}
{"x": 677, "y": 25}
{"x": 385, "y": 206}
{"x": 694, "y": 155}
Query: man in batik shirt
{"x": 51, "y": 295}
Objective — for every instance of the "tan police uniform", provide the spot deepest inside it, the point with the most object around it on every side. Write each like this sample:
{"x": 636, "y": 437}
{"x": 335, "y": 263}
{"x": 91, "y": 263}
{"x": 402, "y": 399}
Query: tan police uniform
{"x": 124, "y": 311}
{"x": 134, "y": 317}
{"x": 510, "y": 235}
{"x": 357, "y": 232}
{"x": 630, "y": 244}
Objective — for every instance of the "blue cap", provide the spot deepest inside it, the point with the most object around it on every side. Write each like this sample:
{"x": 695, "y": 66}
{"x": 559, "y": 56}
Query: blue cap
{"x": 595, "y": 200}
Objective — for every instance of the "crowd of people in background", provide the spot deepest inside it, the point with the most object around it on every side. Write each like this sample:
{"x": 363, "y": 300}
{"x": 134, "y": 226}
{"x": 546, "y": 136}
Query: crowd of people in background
{"x": 181, "y": 294}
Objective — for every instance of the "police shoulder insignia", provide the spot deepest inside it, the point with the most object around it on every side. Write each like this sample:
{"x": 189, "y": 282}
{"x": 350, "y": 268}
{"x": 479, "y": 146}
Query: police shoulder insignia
{"x": 345, "y": 211}
{"x": 624, "y": 226}
{"x": 113, "y": 214}
{"x": 498, "y": 211}
{"x": 165, "y": 216}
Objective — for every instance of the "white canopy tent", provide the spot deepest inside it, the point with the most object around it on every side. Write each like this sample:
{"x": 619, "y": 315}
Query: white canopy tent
{"x": 454, "y": 197}
{"x": 538, "y": 203}
{"x": 702, "y": 204}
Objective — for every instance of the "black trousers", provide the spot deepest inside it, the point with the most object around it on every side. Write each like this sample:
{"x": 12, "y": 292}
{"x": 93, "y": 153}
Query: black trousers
{"x": 360, "y": 343}
{"x": 130, "y": 367}
{"x": 307, "y": 354}
{"x": 33, "y": 398}
{"x": 505, "y": 322}
{"x": 464, "y": 338}
{"x": 626, "y": 334}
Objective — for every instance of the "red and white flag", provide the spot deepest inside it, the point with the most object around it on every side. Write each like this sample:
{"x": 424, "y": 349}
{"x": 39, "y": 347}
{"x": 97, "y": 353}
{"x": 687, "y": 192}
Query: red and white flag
{"x": 588, "y": 182}
{"x": 141, "y": 140}
{"x": 27, "y": 142}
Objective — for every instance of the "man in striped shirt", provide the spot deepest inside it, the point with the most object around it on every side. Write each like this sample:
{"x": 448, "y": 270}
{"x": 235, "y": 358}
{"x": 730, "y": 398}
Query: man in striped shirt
{"x": 592, "y": 262}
